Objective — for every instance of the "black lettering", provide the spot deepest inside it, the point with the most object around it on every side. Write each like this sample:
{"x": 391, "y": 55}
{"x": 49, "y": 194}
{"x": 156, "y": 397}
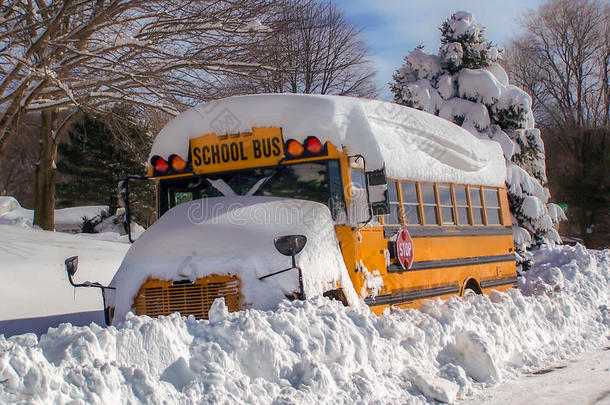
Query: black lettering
{"x": 242, "y": 155}
{"x": 267, "y": 147}
{"x": 206, "y": 159}
{"x": 224, "y": 152}
{"x": 234, "y": 152}
{"x": 276, "y": 146}
{"x": 256, "y": 145}
{"x": 197, "y": 156}
{"x": 215, "y": 154}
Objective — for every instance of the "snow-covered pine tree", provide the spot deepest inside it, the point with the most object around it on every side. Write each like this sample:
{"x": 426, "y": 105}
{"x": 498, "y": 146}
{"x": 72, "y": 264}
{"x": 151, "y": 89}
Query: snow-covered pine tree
{"x": 465, "y": 84}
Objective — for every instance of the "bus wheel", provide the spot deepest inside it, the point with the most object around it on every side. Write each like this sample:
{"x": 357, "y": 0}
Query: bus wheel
{"x": 471, "y": 288}
{"x": 336, "y": 294}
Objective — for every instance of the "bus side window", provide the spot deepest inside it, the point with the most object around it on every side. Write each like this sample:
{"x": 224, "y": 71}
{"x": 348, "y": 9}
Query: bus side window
{"x": 492, "y": 206}
{"x": 410, "y": 203}
{"x": 476, "y": 205}
{"x": 394, "y": 217}
{"x": 446, "y": 203}
{"x": 461, "y": 204}
{"x": 428, "y": 198}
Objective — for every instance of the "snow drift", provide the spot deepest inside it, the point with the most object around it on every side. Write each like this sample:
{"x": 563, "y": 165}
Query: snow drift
{"x": 66, "y": 219}
{"x": 36, "y": 293}
{"x": 234, "y": 235}
{"x": 320, "y": 352}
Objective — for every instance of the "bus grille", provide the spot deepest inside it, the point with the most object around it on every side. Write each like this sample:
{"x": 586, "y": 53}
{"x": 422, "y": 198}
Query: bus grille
{"x": 159, "y": 297}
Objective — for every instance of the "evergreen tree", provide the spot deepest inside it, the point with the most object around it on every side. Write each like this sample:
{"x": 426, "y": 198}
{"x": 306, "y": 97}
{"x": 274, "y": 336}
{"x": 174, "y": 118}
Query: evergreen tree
{"x": 465, "y": 84}
{"x": 98, "y": 154}
{"x": 463, "y": 44}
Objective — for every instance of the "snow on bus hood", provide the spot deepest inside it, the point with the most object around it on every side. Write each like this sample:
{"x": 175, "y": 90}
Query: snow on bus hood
{"x": 412, "y": 144}
{"x": 234, "y": 235}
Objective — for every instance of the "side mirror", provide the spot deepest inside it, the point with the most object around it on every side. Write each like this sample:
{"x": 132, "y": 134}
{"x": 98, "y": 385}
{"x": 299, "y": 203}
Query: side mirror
{"x": 376, "y": 177}
{"x": 378, "y": 194}
{"x": 380, "y": 208}
{"x": 290, "y": 245}
{"x": 71, "y": 265}
{"x": 123, "y": 193}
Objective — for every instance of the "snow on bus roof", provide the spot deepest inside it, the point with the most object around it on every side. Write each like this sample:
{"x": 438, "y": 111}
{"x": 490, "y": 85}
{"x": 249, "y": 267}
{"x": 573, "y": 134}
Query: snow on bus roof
{"x": 411, "y": 144}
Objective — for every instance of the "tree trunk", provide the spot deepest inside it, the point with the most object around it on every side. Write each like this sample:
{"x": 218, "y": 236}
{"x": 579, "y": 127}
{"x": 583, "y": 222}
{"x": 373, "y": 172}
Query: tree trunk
{"x": 44, "y": 189}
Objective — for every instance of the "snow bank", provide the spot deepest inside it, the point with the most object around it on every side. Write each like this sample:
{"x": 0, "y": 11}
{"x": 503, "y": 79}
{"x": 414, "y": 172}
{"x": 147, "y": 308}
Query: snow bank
{"x": 8, "y": 204}
{"x": 318, "y": 351}
{"x": 412, "y": 144}
{"x": 36, "y": 293}
{"x": 66, "y": 219}
{"x": 234, "y": 235}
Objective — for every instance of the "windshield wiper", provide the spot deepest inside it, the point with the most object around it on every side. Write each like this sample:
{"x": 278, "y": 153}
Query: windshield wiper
{"x": 257, "y": 186}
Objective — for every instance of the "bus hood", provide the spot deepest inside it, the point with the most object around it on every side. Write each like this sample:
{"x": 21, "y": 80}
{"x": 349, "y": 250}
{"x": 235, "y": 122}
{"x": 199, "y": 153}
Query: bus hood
{"x": 234, "y": 235}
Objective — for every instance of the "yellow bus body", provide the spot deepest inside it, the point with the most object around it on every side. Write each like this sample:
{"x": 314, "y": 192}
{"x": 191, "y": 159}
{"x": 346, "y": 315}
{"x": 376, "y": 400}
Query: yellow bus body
{"x": 448, "y": 259}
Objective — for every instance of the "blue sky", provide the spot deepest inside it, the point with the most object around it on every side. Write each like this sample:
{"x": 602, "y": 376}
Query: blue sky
{"x": 393, "y": 28}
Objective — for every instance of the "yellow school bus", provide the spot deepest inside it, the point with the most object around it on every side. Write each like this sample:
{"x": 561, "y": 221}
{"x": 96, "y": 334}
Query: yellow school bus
{"x": 419, "y": 206}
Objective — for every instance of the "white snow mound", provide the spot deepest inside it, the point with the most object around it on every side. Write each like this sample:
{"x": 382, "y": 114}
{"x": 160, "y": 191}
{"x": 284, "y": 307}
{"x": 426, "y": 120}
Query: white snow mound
{"x": 66, "y": 219}
{"x": 209, "y": 236}
{"x": 37, "y": 293}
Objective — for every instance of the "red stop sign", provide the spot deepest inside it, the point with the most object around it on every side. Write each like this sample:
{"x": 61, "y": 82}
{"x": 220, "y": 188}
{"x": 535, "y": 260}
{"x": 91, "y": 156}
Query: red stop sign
{"x": 404, "y": 249}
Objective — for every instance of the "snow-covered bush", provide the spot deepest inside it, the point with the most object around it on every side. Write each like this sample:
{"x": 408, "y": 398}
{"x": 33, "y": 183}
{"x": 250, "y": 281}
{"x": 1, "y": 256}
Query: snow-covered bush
{"x": 89, "y": 225}
{"x": 466, "y": 85}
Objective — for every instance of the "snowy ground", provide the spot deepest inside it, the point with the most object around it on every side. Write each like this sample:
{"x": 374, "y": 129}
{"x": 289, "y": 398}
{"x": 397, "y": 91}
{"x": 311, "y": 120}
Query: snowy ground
{"x": 36, "y": 293}
{"x": 478, "y": 349}
{"x": 66, "y": 219}
{"x": 582, "y": 379}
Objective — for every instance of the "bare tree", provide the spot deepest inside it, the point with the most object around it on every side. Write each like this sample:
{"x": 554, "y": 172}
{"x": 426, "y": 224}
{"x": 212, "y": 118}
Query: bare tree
{"x": 314, "y": 50}
{"x": 61, "y": 56}
{"x": 19, "y": 163}
{"x": 562, "y": 61}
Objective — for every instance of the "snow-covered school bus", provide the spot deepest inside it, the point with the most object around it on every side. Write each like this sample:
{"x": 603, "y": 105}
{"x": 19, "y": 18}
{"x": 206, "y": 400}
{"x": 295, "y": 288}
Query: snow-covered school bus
{"x": 267, "y": 197}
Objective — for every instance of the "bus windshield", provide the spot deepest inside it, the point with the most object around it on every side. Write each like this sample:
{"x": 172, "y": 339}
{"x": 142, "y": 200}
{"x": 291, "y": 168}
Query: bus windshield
{"x": 314, "y": 181}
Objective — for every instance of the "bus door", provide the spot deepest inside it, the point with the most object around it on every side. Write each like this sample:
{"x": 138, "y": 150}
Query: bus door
{"x": 371, "y": 246}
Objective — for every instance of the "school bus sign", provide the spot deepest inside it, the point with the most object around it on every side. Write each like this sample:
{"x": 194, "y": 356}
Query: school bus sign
{"x": 262, "y": 147}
